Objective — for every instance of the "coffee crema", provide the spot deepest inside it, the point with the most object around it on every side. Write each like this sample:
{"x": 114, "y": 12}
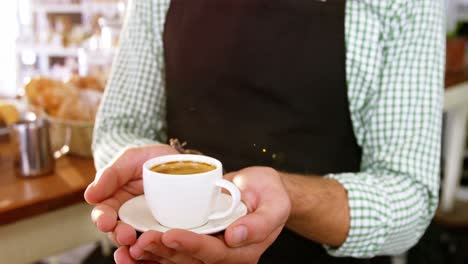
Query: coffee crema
{"x": 183, "y": 167}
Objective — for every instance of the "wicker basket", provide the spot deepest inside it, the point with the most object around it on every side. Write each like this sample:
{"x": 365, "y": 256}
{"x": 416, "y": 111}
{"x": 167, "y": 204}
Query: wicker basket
{"x": 81, "y": 135}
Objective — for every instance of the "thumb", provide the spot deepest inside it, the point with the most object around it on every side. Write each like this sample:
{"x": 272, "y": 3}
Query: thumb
{"x": 124, "y": 168}
{"x": 230, "y": 175}
{"x": 106, "y": 182}
{"x": 257, "y": 226}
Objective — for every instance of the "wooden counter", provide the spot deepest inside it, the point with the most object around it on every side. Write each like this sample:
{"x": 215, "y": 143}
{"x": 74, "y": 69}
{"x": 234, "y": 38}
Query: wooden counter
{"x": 454, "y": 78}
{"x": 22, "y": 198}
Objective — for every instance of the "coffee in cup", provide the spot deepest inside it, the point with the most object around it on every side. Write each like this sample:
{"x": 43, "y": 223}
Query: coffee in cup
{"x": 181, "y": 190}
{"x": 183, "y": 167}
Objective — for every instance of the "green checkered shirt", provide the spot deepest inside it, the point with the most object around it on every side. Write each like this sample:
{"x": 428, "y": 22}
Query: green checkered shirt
{"x": 395, "y": 68}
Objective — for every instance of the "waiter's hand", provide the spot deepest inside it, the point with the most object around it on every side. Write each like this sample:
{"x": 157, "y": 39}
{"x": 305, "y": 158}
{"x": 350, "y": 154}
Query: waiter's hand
{"x": 117, "y": 183}
{"x": 244, "y": 241}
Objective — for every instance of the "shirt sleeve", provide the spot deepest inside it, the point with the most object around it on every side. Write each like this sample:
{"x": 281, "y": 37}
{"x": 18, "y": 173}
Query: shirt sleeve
{"x": 394, "y": 196}
{"x": 132, "y": 112}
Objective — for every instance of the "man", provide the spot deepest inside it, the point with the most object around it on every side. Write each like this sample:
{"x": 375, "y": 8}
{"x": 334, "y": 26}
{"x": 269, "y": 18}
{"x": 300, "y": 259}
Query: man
{"x": 282, "y": 92}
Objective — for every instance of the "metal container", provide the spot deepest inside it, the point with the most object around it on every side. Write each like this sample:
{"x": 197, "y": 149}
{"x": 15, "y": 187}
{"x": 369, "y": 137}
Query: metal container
{"x": 35, "y": 155}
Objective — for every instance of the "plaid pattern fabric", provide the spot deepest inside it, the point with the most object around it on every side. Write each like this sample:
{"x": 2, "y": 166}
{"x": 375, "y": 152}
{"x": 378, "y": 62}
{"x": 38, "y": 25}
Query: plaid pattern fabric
{"x": 395, "y": 67}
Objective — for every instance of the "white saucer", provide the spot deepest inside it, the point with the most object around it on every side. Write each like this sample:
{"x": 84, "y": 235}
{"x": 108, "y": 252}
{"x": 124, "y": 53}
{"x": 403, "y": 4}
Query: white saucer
{"x": 136, "y": 213}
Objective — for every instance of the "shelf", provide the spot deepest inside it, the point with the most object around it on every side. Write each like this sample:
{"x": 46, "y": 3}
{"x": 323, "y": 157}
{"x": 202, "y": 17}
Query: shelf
{"x": 54, "y": 51}
{"x": 48, "y": 50}
{"x": 59, "y": 8}
{"x": 100, "y": 56}
{"x": 77, "y": 8}
{"x": 101, "y": 7}
{"x": 83, "y": 13}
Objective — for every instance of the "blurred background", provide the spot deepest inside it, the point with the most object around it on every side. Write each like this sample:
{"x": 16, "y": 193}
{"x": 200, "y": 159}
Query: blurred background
{"x": 55, "y": 59}
{"x": 57, "y": 38}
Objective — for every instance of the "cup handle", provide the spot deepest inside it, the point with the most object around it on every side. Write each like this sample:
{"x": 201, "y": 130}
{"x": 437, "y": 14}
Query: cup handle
{"x": 66, "y": 146}
{"x": 235, "y": 195}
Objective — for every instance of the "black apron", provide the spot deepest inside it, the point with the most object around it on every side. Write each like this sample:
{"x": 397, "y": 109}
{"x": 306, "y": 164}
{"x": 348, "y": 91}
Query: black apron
{"x": 263, "y": 82}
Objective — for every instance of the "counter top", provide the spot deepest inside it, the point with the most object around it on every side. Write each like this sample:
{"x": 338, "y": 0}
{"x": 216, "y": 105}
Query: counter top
{"x": 454, "y": 78}
{"x": 22, "y": 197}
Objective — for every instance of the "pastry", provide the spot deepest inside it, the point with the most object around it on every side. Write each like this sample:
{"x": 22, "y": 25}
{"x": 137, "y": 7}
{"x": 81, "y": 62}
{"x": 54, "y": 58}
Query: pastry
{"x": 9, "y": 114}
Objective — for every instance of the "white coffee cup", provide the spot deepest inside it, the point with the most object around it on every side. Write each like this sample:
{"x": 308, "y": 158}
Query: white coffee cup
{"x": 186, "y": 201}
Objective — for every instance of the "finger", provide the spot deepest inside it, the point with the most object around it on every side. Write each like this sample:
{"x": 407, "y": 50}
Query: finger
{"x": 125, "y": 234}
{"x": 104, "y": 215}
{"x": 111, "y": 236}
{"x": 147, "y": 256}
{"x": 267, "y": 215}
{"x": 253, "y": 228}
{"x": 230, "y": 176}
{"x": 166, "y": 261}
{"x": 151, "y": 258}
{"x": 121, "y": 256}
{"x": 145, "y": 239}
{"x": 111, "y": 179}
{"x": 207, "y": 249}
{"x": 248, "y": 196}
{"x": 149, "y": 245}
{"x": 106, "y": 182}
{"x": 126, "y": 166}
{"x": 167, "y": 255}
{"x": 151, "y": 262}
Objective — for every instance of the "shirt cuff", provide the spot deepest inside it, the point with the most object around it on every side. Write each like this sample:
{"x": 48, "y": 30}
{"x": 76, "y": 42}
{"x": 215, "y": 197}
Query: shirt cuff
{"x": 109, "y": 146}
{"x": 370, "y": 216}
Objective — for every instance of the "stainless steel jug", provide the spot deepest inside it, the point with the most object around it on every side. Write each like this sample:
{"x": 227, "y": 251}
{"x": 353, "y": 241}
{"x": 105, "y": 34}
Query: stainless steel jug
{"x": 32, "y": 140}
